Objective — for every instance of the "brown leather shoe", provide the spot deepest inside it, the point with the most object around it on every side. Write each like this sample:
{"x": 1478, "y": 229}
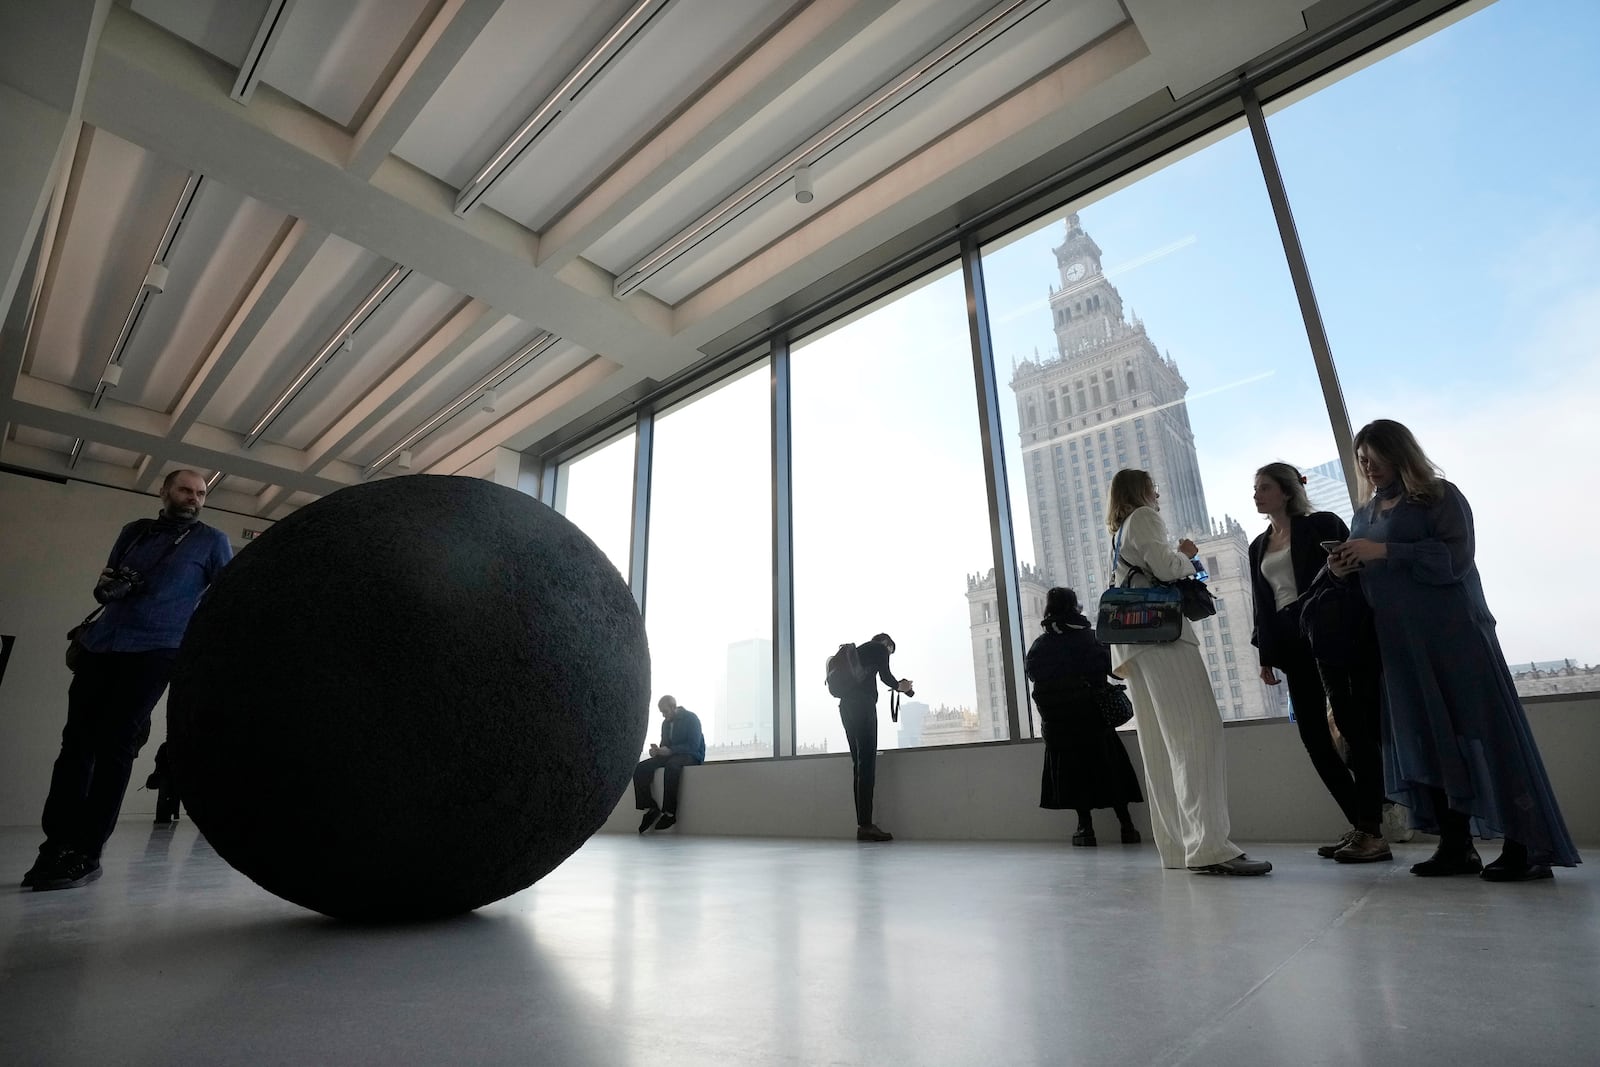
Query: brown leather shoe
{"x": 1327, "y": 851}
{"x": 1364, "y": 848}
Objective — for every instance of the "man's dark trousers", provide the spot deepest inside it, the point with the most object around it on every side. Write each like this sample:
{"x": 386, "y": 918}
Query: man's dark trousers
{"x": 644, "y": 776}
{"x": 108, "y": 709}
{"x": 860, "y": 720}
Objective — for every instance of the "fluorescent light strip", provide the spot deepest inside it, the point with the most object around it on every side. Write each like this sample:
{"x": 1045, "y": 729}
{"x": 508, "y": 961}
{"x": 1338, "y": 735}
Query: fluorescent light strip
{"x": 556, "y": 105}
{"x": 266, "y": 39}
{"x": 215, "y": 480}
{"x": 169, "y": 237}
{"x": 886, "y": 98}
{"x": 77, "y": 450}
{"x": 350, "y": 325}
{"x": 493, "y": 380}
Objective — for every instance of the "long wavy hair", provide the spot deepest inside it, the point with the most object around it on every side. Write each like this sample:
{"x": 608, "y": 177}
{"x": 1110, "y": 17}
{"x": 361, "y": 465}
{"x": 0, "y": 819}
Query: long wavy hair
{"x": 1293, "y": 485}
{"x": 1391, "y": 442}
{"x": 1131, "y": 490}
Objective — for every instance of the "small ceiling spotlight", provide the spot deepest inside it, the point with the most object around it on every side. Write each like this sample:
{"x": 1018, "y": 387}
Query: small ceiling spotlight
{"x": 802, "y": 186}
{"x": 490, "y": 398}
{"x": 403, "y": 461}
{"x": 155, "y": 279}
{"x": 111, "y": 377}
{"x": 348, "y": 344}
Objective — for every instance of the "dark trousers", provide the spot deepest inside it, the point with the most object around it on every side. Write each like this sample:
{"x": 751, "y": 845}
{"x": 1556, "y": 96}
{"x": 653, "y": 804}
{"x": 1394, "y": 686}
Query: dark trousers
{"x": 108, "y": 715}
{"x": 1356, "y": 693}
{"x": 861, "y": 730}
{"x": 1357, "y": 787}
{"x": 644, "y": 776}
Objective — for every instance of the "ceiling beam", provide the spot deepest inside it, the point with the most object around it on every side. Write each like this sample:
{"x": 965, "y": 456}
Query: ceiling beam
{"x": 534, "y": 410}
{"x": 433, "y": 358}
{"x": 296, "y": 246}
{"x": 446, "y": 40}
{"x": 783, "y": 59}
{"x": 159, "y": 92}
{"x": 1062, "y": 102}
{"x": 60, "y": 409}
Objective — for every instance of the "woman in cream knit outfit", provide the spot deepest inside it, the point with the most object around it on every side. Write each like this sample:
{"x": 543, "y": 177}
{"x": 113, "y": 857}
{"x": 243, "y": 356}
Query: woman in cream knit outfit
{"x": 1180, "y": 730}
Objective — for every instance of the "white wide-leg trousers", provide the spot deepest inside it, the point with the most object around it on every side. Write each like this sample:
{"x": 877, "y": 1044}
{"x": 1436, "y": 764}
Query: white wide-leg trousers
{"x": 1185, "y": 765}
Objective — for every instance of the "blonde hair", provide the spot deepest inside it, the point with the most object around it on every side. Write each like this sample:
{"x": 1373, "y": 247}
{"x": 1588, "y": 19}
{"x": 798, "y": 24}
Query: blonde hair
{"x": 1131, "y": 490}
{"x": 1391, "y": 442}
{"x": 1293, "y": 484}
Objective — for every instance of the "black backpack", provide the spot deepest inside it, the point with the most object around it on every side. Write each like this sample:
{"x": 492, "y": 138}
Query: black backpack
{"x": 844, "y": 671}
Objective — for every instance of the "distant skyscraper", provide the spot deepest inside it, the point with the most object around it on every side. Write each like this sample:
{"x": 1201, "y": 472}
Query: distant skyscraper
{"x": 1106, "y": 400}
{"x": 745, "y": 718}
{"x": 913, "y": 713}
{"x": 1326, "y": 487}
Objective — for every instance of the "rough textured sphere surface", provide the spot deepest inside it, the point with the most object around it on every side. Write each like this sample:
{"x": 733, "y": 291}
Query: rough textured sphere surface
{"x": 409, "y": 699}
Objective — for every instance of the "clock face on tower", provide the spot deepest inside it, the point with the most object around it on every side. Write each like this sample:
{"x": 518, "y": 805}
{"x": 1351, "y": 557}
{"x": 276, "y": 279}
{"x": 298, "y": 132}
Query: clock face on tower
{"x": 1075, "y": 272}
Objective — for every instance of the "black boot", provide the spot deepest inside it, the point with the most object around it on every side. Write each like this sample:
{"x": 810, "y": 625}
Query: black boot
{"x": 1130, "y": 832}
{"x": 1513, "y": 866}
{"x": 1455, "y": 854}
{"x": 1084, "y": 837}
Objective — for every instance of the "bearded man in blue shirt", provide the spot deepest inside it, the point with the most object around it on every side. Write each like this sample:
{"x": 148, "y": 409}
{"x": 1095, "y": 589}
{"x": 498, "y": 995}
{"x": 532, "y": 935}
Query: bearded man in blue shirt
{"x": 149, "y": 589}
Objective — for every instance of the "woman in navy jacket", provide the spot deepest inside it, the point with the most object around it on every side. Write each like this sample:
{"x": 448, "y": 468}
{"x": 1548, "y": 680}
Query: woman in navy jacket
{"x": 1283, "y": 562}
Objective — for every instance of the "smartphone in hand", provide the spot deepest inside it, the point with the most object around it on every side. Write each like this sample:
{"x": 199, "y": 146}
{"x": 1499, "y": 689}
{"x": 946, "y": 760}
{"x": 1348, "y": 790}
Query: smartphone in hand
{"x": 1329, "y": 546}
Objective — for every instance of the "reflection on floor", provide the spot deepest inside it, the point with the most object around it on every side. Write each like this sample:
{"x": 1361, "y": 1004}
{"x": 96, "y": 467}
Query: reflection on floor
{"x": 737, "y": 951}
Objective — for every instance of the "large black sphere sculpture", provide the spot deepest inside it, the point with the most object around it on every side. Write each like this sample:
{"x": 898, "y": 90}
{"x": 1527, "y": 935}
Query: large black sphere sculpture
{"x": 409, "y": 699}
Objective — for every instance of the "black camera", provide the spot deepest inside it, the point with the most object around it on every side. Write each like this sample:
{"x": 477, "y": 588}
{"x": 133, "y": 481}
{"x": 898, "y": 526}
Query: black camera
{"x": 118, "y": 585}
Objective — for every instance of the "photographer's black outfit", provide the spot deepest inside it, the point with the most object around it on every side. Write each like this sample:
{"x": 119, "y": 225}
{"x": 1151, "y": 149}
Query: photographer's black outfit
{"x": 859, "y": 713}
{"x": 162, "y": 566}
{"x": 1351, "y": 689}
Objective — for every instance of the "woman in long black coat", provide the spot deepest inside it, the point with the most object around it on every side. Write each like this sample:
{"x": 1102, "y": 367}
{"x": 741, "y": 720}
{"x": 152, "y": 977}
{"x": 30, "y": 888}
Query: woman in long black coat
{"x": 1085, "y": 763}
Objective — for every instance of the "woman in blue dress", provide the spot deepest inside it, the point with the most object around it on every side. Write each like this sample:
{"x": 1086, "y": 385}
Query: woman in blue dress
{"x": 1457, "y": 749}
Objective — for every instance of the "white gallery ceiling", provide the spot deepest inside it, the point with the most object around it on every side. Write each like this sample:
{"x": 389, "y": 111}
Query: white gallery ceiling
{"x": 299, "y": 244}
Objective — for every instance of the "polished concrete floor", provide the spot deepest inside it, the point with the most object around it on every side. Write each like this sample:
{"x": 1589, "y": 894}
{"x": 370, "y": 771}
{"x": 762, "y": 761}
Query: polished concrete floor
{"x": 684, "y": 950}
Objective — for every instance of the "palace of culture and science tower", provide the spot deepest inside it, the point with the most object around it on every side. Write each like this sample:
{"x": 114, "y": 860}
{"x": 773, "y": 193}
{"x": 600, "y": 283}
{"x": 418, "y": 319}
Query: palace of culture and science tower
{"x": 1108, "y": 400}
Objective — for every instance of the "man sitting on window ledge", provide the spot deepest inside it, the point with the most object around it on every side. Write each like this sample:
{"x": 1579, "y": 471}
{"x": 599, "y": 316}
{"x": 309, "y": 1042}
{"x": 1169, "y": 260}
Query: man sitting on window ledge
{"x": 682, "y": 743}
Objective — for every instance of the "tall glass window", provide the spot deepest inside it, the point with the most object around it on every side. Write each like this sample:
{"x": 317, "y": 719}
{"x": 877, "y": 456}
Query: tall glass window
{"x": 1155, "y": 327}
{"x": 1449, "y": 203}
{"x": 595, "y": 491}
{"x": 891, "y": 526}
{"x": 709, "y": 606}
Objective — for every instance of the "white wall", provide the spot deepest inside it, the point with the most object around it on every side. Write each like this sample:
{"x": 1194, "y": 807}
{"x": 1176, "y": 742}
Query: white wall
{"x": 992, "y": 791}
{"x": 53, "y": 541}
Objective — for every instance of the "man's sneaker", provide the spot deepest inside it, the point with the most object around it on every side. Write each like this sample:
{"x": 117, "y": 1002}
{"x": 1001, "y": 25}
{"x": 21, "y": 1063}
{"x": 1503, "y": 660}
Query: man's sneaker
{"x": 1364, "y": 848}
{"x": 1240, "y": 864}
{"x": 1327, "y": 851}
{"x": 649, "y": 820}
{"x": 870, "y": 832}
{"x": 49, "y": 855}
{"x": 70, "y": 870}
{"x": 668, "y": 821}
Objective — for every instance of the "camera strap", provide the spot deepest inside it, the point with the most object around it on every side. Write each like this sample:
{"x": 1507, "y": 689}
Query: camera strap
{"x": 894, "y": 705}
{"x": 149, "y": 529}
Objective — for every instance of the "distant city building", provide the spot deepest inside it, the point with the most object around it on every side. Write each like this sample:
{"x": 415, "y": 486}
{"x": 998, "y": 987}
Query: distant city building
{"x": 744, "y": 705}
{"x": 1108, "y": 399}
{"x": 1554, "y": 678}
{"x": 982, "y": 604}
{"x": 913, "y": 713}
{"x": 752, "y": 750}
{"x": 1326, "y": 487}
{"x": 950, "y": 726}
